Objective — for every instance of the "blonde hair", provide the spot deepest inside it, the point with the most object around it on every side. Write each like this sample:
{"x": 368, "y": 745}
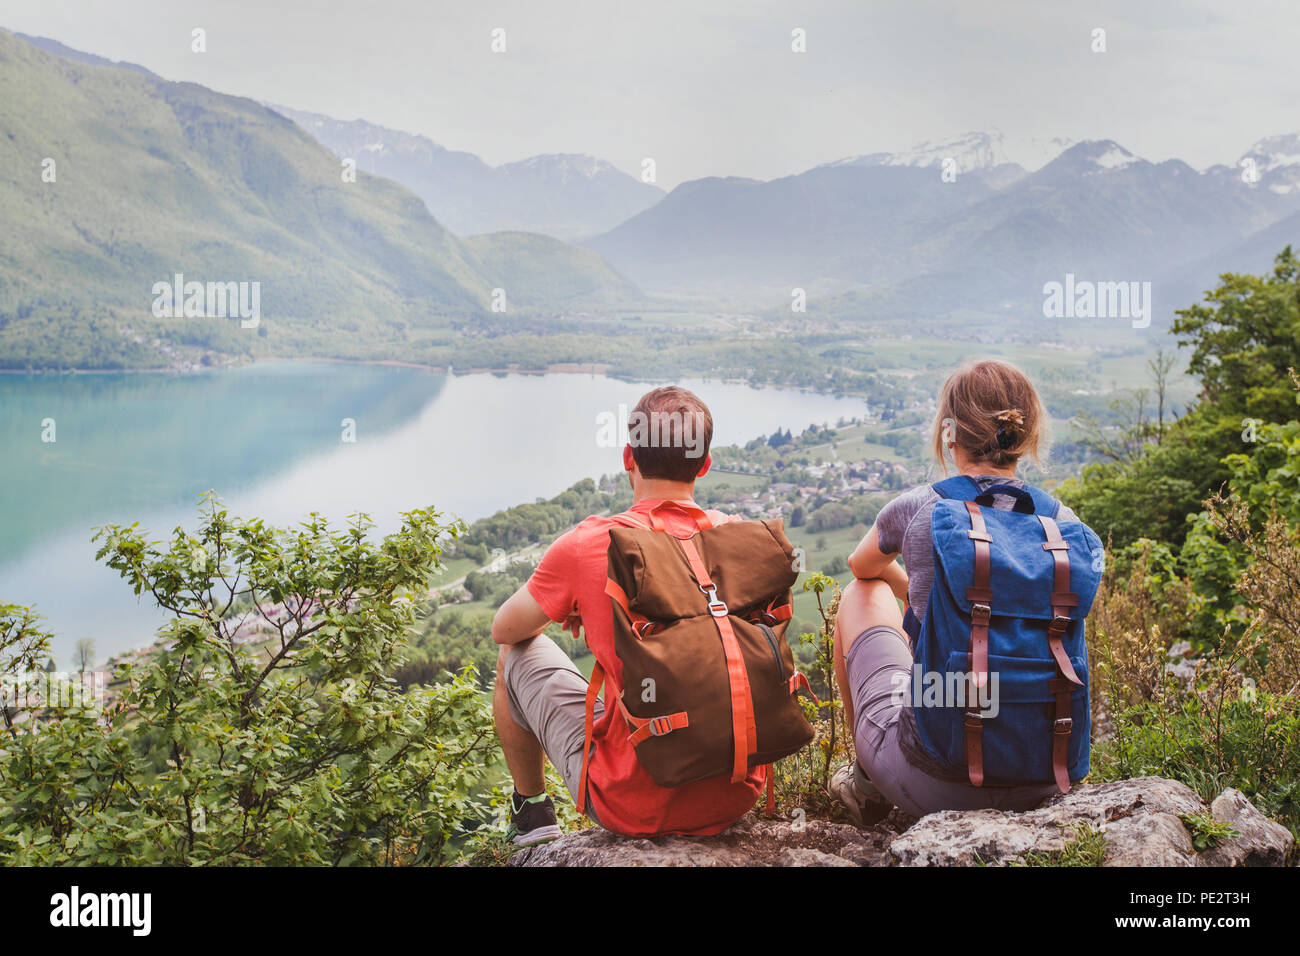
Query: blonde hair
{"x": 991, "y": 411}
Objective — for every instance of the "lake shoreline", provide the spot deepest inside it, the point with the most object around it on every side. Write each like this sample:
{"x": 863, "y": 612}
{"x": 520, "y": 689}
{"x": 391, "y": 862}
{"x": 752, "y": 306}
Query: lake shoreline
{"x": 137, "y": 448}
{"x": 563, "y": 368}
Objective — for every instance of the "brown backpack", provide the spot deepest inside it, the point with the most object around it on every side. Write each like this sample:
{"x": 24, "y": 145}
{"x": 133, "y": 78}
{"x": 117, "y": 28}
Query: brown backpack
{"x": 699, "y": 626}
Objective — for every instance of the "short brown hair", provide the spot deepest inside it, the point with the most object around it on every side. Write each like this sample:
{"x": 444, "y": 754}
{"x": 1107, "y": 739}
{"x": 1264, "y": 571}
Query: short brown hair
{"x": 670, "y": 431}
{"x": 992, "y": 412}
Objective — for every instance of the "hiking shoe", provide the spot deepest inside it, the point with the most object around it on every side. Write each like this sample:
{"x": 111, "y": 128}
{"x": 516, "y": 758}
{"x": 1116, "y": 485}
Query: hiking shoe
{"x": 532, "y": 820}
{"x": 865, "y": 804}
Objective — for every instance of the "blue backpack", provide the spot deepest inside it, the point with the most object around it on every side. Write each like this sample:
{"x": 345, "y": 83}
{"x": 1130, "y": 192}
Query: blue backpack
{"x": 1000, "y": 686}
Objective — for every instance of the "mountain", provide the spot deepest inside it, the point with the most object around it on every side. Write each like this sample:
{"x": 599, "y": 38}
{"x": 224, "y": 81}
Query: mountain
{"x": 68, "y": 53}
{"x": 971, "y": 151}
{"x": 1276, "y": 159}
{"x": 565, "y": 195}
{"x": 885, "y": 236}
{"x": 841, "y": 223}
{"x": 153, "y": 178}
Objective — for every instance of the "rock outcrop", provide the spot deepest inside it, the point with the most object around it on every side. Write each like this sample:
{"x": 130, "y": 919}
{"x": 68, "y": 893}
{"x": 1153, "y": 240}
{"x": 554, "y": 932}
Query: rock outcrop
{"x": 1141, "y": 821}
{"x": 751, "y": 842}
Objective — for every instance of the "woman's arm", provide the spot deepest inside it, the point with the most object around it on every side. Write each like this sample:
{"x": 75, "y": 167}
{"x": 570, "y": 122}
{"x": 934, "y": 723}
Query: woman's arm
{"x": 868, "y": 562}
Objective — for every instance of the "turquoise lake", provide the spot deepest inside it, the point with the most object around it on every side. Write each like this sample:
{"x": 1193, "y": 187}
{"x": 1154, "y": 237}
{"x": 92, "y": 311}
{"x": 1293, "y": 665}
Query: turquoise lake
{"x": 268, "y": 438}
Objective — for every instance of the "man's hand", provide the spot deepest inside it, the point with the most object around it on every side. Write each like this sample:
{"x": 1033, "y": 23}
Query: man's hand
{"x": 519, "y": 618}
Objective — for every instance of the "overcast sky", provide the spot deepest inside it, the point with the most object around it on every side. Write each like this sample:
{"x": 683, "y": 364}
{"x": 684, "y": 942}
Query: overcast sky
{"x": 720, "y": 92}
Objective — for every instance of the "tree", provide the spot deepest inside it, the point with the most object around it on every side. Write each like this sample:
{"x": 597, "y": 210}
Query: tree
{"x": 294, "y": 747}
{"x": 1160, "y": 367}
{"x": 24, "y": 651}
{"x": 1244, "y": 337}
{"x": 83, "y": 658}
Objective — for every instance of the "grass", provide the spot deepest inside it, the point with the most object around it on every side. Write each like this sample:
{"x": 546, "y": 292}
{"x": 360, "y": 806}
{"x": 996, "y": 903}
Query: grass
{"x": 1086, "y": 848}
{"x": 1208, "y": 832}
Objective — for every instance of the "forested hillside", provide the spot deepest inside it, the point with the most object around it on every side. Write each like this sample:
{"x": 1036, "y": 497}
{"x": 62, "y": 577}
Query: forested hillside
{"x": 115, "y": 180}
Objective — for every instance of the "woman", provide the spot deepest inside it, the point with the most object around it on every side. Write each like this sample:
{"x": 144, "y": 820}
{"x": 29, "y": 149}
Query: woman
{"x": 989, "y": 418}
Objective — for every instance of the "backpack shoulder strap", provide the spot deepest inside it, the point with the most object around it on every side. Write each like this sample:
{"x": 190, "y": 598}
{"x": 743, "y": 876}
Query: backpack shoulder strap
{"x": 627, "y": 521}
{"x": 965, "y": 488}
{"x": 958, "y": 488}
{"x": 1045, "y": 503}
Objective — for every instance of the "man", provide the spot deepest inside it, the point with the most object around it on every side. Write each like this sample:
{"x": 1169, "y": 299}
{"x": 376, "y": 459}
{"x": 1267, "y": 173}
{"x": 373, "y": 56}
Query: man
{"x": 539, "y": 701}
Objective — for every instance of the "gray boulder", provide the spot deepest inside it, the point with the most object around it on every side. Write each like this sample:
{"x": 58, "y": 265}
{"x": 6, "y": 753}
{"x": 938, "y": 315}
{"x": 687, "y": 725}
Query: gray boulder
{"x": 972, "y": 837}
{"x": 1262, "y": 842}
{"x": 1140, "y": 821}
{"x": 751, "y": 842}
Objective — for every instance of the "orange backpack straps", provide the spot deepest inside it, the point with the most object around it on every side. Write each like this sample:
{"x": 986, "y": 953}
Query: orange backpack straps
{"x": 593, "y": 690}
{"x": 700, "y": 516}
{"x": 744, "y": 732}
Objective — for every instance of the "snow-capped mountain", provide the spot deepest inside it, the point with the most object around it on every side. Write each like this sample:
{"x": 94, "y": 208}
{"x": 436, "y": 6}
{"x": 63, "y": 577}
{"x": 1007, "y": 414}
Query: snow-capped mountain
{"x": 971, "y": 151}
{"x": 1275, "y": 160}
{"x": 1091, "y": 158}
{"x": 889, "y": 224}
{"x": 566, "y": 195}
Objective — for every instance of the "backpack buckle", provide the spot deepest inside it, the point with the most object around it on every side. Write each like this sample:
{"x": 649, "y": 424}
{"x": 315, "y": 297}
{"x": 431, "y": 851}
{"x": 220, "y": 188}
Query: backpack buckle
{"x": 980, "y": 613}
{"x": 716, "y": 606}
{"x": 654, "y": 727}
{"x": 1062, "y": 726}
{"x": 1060, "y": 624}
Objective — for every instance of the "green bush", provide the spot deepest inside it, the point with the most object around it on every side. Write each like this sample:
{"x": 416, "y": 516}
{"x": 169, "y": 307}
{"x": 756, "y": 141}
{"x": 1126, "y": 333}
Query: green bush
{"x": 293, "y": 748}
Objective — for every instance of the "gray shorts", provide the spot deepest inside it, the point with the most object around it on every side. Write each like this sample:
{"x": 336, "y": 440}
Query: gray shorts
{"x": 879, "y": 666}
{"x": 548, "y": 696}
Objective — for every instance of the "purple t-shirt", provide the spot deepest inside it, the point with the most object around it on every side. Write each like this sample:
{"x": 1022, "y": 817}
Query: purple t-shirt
{"x": 903, "y": 527}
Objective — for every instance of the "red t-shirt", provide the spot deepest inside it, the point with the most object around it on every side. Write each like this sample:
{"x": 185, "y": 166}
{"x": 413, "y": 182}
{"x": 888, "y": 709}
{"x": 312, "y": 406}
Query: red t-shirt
{"x": 571, "y": 580}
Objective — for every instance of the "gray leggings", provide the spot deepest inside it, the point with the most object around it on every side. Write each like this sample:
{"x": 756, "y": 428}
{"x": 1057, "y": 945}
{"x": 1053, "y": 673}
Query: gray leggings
{"x": 879, "y": 663}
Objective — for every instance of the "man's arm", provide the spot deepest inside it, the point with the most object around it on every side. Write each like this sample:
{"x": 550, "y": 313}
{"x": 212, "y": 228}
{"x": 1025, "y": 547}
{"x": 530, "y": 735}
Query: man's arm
{"x": 519, "y": 618}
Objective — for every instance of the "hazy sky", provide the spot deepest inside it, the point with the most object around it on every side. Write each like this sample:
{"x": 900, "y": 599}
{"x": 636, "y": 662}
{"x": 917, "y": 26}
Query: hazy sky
{"x": 713, "y": 88}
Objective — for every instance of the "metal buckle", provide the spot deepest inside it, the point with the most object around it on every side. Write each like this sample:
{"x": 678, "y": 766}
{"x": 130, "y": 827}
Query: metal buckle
{"x": 1063, "y": 722}
{"x": 654, "y": 727}
{"x": 1060, "y": 624}
{"x": 980, "y": 613}
{"x": 716, "y": 607}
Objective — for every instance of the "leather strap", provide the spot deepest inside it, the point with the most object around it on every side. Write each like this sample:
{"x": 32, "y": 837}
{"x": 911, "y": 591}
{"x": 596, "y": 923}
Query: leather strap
{"x": 1062, "y": 726}
{"x": 974, "y": 747}
{"x": 589, "y": 721}
{"x": 770, "y": 806}
{"x": 980, "y": 594}
{"x": 1063, "y": 685}
{"x": 743, "y": 730}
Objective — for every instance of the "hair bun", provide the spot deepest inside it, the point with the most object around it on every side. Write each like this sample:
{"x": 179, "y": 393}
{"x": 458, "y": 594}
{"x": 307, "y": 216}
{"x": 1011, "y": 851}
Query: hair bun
{"x": 1010, "y": 421}
{"x": 1012, "y": 416}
